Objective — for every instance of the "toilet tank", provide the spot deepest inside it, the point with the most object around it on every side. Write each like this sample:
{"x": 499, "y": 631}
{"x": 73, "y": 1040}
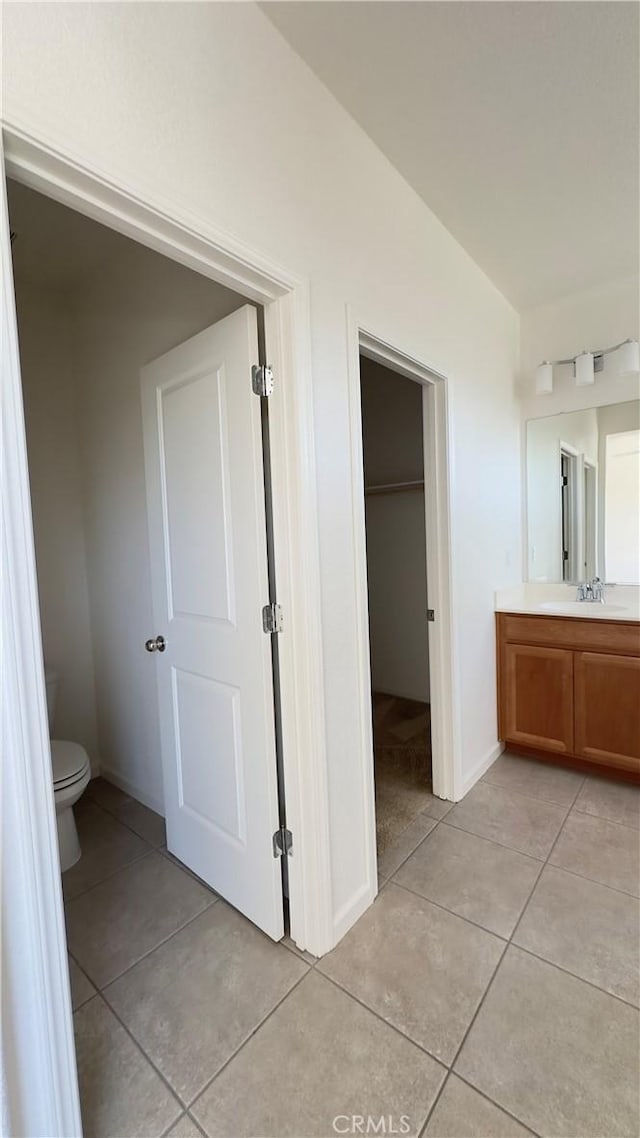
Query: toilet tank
{"x": 51, "y": 681}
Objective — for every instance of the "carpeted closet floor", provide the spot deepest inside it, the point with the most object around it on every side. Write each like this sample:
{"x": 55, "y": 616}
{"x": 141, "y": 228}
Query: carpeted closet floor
{"x": 402, "y": 750}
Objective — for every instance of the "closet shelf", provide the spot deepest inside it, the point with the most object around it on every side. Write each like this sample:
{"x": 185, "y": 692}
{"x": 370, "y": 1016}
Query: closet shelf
{"x": 394, "y": 487}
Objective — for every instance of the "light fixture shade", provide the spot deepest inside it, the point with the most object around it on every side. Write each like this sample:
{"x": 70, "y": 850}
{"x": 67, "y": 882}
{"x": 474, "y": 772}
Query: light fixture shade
{"x": 627, "y": 357}
{"x": 544, "y": 379}
{"x": 584, "y": 369}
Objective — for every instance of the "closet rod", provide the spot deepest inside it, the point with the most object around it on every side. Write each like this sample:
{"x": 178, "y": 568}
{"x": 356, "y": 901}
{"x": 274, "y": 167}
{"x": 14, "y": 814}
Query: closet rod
{"x": 394, "y": 487}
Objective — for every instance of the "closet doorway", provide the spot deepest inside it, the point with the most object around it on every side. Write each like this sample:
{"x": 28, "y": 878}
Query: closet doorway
{"x": 401, "y": 475}
{"x": 396, "y": 540}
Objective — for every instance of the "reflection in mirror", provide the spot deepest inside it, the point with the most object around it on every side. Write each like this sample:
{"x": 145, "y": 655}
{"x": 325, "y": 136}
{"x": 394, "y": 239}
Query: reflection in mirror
{"x": 583, "y": 495}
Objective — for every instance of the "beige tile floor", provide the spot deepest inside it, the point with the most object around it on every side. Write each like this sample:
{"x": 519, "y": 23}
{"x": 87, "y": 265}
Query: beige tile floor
{"x": 490, "y": 992}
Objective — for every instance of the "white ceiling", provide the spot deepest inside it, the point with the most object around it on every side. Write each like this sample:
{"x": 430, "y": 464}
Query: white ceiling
{"x": 516, "y": 122}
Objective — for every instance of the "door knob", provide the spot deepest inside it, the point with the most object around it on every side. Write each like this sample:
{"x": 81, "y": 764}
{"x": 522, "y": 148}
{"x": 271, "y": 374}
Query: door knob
{"x": 156, "y": 644}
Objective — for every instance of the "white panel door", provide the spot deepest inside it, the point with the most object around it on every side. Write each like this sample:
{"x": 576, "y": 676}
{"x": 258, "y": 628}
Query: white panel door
{"x": 207, "y": 529}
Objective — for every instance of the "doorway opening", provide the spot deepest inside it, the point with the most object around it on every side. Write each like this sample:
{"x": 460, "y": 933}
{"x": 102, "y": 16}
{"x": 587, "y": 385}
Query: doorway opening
{"x": 437, "y": 729}
{"x": 396, "y": 547}
{"x": 590, "y": 493}
{"x": 152, "y": 516}
{"x": 569, "y": 513}
{"x": 37, "y": 959}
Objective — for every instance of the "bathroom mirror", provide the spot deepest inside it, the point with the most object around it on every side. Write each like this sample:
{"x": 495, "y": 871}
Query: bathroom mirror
{"x": 583, "y": 495}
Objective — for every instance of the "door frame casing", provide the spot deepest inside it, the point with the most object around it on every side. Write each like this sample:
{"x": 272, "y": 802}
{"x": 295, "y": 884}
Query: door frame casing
{"x": 196, "y": 244}
{"x": 446, "y": 760}
{"x": 575, "y": 519}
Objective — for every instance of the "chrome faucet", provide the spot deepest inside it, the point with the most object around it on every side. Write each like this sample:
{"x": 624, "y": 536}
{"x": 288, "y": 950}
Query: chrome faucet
{"x": 592, "y": 591}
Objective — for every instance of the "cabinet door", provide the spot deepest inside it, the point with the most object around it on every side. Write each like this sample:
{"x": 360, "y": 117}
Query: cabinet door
{"x": 538, "y": 697}
{"x": 607, "y": 702}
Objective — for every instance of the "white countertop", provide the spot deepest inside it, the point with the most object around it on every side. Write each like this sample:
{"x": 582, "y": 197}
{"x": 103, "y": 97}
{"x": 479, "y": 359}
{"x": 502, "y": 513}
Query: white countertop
{"x": 622, "y": 602}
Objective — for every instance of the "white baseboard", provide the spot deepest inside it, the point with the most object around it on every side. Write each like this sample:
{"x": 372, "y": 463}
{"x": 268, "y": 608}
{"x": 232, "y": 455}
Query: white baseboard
{"x": 133, "y": 791}
{"x": 351, "y": 911}
{"x": 481, "y": 767}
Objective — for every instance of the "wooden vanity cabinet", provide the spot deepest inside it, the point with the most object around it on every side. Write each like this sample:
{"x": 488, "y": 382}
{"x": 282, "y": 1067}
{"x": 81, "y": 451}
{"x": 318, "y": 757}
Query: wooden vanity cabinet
{"x": 570, "y": 688}
{"x": 607, "y": 708}
{"x": 538, "y": 697}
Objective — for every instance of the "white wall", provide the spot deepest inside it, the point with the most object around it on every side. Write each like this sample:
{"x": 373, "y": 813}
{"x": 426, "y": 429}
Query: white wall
{"x": 53, "y": 440}
{"x": 140, "y": 308}
{"x": 578, "y": 429}
{"x": 204, "y": 110}
{"x": 396, "y": 542}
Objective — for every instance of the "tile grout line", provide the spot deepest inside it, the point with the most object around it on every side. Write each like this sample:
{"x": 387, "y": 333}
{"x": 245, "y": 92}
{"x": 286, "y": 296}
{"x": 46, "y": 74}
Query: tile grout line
{"x": 114, "y": 873}
{"x": 503, "y": 845}
{"x": 173, "y": 1093}
{"x": 298, "y": 952}
{"x": 433, "y": 829}
{"x": 86, "y": 976}
{"x": 196, "y": 1124}
{"x": 454, "y": 1074}
{"x": 610, "y": 821}
{"x": 485, "y": 1096}
{"x": 507, "y": 941}
{"x": 574, "y": 976}
{"x": 581, "y": 875}
{"x": 524, "y": 794}
{"x": 102, "y": 992}
{"x": 546, "y": 802}
{"x": 492, "y": 841}
{"x": 112, "y": 813}
{"x": 451, "y": 912}
{"x": 185, "y": 1114}
{"x": 150, "y": 951}
{"x": 503, "y": 954}
{"x": 163, "y": 852}
{"x": 244, "y": 1043}
{"x": 449, "y": 1069}
{"x": 592, "y": 880}
{"x": 407, "y": 1038}
{"x": 546, "y": 860}
{"x": 423, "y": 1129}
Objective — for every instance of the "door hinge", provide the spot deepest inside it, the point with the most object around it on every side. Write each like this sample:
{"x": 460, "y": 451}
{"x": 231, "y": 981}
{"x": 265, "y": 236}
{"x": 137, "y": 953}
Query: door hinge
{"x": 272, "y": 620}
{"x": 431, "y": 614}
{"x": 283, "y": 842}
{"x": 262, "y": 379}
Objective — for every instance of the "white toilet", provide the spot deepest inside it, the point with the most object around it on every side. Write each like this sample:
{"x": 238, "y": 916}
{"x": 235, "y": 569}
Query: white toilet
{"x": 71, "y": 774}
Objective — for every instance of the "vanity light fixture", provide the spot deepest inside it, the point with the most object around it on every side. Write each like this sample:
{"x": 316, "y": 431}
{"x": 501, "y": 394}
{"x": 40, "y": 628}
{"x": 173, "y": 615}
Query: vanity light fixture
{"x": 628, "y": 357}
{"x": 544, "y": 379}
{"x": 586, "y": 364}
{"x": 584, "y": 369}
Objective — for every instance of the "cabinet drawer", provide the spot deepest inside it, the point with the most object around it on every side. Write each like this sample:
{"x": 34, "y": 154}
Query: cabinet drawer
{"x": 569, "y": 632}
{"x": 537, "y": 685}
